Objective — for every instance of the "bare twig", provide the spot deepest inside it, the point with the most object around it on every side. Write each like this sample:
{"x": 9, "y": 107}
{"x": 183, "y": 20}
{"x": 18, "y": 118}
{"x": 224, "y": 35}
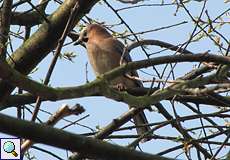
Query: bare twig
{"x": 62, "y": 112}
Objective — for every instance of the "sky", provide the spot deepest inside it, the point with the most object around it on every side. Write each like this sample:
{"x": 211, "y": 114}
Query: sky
{"x": 101, "y": 110}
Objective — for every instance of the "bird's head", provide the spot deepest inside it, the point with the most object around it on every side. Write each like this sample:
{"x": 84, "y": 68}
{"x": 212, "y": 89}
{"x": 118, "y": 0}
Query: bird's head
{"x": 82, "y": 37}
{"x": 92, "y": 31}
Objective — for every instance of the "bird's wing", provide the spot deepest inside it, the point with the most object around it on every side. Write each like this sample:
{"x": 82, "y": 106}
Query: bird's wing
{"x": 112, "y": 44}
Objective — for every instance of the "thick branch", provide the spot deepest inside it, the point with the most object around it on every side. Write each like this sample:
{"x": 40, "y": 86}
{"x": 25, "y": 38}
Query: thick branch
{"x": 88, "y": 146}
{"x": 98, "y": 85}
{"x": 26, "y": 19}
{"x": 5, "y": 26}
{"x": 207, "y": 100}
{"x": 43, "y": 41}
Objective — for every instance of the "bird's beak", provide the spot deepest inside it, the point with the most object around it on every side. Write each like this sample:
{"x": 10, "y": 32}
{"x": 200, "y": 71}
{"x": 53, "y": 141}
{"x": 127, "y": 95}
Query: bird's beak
{"x": 82, "y": 37}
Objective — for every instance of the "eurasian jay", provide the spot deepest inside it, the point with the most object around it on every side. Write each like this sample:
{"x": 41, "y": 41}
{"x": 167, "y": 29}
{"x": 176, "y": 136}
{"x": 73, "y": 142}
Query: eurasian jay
{"x": 104, "y": 53}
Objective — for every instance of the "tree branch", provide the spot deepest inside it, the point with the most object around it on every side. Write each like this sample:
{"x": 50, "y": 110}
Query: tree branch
{"x": 23, "y": 99}
{"x": 26, "y": 57}
{"x": 5, "y": 26}
{"x": 90, "y": 147}
{"x": 98, "y": 86}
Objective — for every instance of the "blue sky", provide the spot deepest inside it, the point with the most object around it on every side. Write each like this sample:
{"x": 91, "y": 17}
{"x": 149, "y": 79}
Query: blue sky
{"x": 103, "y": 110}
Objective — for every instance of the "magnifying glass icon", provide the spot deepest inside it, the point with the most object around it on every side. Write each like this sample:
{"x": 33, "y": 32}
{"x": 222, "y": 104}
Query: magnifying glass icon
{"x": 9, "y": 147}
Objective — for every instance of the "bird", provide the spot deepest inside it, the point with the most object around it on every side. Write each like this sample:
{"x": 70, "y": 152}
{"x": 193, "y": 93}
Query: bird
{"x": 104, "y": 54}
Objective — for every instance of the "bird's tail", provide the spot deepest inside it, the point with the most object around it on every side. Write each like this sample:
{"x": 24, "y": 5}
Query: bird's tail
{"x": 139, "y": 120}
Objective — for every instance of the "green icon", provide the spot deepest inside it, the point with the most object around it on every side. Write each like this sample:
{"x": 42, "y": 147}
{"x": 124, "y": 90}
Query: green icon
{"x": 9, "y": 147}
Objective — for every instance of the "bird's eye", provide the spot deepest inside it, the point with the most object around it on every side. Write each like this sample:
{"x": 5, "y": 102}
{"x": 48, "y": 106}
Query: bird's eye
{"x": 85, "y": 39}
{"x": 85, "y": 34}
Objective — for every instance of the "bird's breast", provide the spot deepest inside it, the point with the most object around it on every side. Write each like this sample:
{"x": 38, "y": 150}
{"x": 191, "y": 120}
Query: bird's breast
{"x": 105, "y": 60}
{"x": 102, "y": 61}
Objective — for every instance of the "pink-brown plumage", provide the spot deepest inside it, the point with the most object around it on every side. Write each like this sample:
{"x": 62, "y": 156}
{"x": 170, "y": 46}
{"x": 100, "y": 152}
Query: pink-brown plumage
{"x": 104, "y": 52}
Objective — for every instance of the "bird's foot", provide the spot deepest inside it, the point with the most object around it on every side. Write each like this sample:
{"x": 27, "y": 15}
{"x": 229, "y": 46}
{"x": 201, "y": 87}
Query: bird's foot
{"x": 121, "y": 87}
